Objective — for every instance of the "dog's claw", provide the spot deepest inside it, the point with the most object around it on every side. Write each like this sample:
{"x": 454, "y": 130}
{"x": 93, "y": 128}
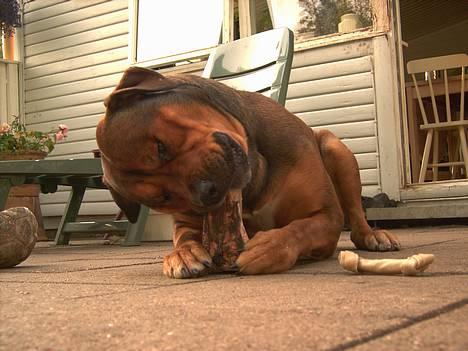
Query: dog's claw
{"x": 376, "y": 240}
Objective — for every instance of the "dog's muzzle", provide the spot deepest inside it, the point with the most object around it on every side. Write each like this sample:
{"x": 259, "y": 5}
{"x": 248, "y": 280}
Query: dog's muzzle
{"x": 232, "y": 172}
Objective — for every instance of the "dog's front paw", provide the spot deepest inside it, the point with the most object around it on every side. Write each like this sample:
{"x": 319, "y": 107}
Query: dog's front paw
{"x": 189, "y": 261}
{"x": 376, "y": 240}
{"x": 272, "y": 251}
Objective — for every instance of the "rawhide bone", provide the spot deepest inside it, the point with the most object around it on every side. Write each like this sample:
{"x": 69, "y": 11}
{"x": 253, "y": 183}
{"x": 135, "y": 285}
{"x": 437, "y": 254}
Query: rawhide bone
{"x": 409, "y": 266}
{"x": 224, "y": 234}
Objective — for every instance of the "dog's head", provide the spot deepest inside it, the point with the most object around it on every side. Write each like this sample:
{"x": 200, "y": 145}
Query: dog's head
{"x": 171, "y": 143}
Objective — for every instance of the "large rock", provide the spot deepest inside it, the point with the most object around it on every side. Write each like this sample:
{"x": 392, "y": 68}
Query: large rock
{"x": 18, "y": 235}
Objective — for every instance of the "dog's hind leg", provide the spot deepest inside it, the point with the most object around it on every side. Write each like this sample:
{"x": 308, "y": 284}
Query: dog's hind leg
{"x": 343, "y": 170}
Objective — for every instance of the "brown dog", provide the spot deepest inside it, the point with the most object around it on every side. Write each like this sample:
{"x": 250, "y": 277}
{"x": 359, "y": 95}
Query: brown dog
{"x": 178, "y": 144}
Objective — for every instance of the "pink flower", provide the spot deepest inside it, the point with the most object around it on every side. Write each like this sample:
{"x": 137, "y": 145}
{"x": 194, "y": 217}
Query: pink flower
{"x": 59, "y": 136}
{"x": 63, "y": 129}
{"x": 5, "y": 128}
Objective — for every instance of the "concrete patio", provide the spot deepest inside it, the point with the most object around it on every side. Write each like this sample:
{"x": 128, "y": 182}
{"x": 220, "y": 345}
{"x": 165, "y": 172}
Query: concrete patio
{"x": 90, "y": 296}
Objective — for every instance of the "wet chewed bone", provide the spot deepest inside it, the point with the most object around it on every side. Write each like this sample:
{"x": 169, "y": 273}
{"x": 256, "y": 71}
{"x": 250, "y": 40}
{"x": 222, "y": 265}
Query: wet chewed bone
{"x": 409, "y": 266}
{"x": 224, "y": 234}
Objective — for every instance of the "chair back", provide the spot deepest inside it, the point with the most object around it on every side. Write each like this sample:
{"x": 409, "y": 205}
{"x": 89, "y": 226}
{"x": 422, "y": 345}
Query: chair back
{"x": 259, "y": 63}
{"x": 440, "y": 63}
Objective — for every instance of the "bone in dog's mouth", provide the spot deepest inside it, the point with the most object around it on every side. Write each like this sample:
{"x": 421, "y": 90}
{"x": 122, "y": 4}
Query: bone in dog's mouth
{"x": 224, "y": 234}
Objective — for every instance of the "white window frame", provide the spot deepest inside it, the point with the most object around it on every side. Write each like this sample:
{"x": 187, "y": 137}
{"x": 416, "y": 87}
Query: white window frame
{"x": 246, "y": 24}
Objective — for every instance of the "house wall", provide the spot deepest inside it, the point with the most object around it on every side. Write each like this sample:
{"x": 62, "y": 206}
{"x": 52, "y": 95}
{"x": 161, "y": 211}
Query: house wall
{"x": 75, "y": 52}
{"x": 332, "y": 87}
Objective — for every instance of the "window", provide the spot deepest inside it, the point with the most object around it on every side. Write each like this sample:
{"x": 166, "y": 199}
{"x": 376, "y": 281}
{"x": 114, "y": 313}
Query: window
{"x": 168, "y": 32}
{"x": 313, "y": 18}
{"x": 167, "y": 28}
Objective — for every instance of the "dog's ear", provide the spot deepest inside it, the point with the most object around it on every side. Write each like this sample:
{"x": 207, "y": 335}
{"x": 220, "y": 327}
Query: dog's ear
{"x": 130, "y": 208}
{"x": 138, "y": 82}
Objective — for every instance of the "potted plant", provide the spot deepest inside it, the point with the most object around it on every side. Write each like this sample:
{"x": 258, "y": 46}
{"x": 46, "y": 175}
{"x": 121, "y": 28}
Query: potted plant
{"x": 10, "y": 18}
{"x": 18, "y": 143}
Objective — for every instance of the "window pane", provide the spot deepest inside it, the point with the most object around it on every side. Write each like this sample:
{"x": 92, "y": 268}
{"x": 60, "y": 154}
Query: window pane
{"x": 170, "y": 27}
{"x": 312, "y": 18}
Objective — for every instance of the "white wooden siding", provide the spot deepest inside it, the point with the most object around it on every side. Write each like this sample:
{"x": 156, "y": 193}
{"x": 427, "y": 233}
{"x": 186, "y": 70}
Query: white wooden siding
{"x": 333, "y": 88}
{"x": 9, "y": 91}
{"x": 75, "y": 53}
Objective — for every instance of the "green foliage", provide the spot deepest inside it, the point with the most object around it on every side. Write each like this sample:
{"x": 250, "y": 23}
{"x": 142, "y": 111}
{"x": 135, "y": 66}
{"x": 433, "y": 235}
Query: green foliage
{"x": 328, "y": 16}
{"x": 15, "y": 138}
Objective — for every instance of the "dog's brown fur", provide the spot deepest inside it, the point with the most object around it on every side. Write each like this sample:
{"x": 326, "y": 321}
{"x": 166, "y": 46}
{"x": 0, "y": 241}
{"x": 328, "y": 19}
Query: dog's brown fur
{"x": 165, "y": 137}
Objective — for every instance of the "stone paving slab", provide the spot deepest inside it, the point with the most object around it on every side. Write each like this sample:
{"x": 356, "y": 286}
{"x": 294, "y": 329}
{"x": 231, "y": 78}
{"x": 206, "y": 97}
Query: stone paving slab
{"x": 267, "y": 313}
{"x": 121, "y": 301}
{"x": 89, "y": 255}
{"x": 446, "y": 332}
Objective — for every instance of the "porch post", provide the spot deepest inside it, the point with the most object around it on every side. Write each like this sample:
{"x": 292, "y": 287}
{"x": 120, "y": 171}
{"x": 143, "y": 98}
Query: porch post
{"x": 388, "y": 117}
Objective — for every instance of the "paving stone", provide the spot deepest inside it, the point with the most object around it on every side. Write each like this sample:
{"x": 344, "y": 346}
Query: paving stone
{"x": 90, "y": 297}
{"x": 446, "y": 332}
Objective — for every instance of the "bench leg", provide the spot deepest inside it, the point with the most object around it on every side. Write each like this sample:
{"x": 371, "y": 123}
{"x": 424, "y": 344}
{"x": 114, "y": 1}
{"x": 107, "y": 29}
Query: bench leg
{"x": 71, "y": 212}
{"x": 135, "y": 230}
{"x": 5, "y": 186}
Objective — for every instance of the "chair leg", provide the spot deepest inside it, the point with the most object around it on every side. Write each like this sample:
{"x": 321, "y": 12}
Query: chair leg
{"x": 464, "y": 147}
{"x": 135, "y": 230}
{"x": 435, "y": 157}
{"x": 425, "y": 159}
{"x": 452, "y": 148}
{"x": 71, "y": 212}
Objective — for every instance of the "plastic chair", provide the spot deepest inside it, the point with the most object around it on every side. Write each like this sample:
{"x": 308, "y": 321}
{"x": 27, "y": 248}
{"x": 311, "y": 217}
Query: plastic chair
{"x": 259, "y": 63}
{"x": 442, "y": 116}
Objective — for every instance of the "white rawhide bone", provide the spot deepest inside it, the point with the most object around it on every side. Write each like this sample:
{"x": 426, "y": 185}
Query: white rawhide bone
{"x": 408, "y": 266}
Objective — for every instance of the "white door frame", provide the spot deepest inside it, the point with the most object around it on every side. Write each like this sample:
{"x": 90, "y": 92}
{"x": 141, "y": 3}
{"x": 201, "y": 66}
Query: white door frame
{"x": 455, "y": 189}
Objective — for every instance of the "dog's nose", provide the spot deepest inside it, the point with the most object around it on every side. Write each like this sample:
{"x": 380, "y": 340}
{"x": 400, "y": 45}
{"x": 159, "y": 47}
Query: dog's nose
{"x": 208, "y": 192}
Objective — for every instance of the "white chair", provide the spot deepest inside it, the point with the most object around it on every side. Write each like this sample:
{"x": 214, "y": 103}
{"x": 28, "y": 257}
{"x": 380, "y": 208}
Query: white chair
{"x": 445, "y": 118}
{"x": 259, "y": 63}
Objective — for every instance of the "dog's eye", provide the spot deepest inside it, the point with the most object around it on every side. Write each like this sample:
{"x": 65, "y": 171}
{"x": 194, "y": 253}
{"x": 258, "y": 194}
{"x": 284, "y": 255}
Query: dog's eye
{"x": 165, "y": 197}
{"x": 163, "y": 154}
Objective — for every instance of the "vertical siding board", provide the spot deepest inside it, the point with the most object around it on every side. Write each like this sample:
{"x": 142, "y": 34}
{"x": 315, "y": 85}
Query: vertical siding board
{"x": 3, "y": 92}
{"x": 12, "y": 89}
{"x": 9, "y": 91}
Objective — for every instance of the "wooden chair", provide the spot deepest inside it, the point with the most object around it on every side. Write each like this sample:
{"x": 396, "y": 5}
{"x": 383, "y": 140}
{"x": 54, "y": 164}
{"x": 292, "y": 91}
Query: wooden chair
{"x": 448, "y": 117}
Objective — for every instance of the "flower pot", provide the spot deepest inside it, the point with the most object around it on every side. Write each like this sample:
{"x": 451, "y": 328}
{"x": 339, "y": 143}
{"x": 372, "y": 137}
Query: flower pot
{"x": 26, "y": 195}
{"x": 349, "y": 22}
{"x": 8, "y": 47}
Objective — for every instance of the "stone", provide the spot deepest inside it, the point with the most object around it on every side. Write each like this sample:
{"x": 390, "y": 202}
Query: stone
{"x": 18, "y": 235}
